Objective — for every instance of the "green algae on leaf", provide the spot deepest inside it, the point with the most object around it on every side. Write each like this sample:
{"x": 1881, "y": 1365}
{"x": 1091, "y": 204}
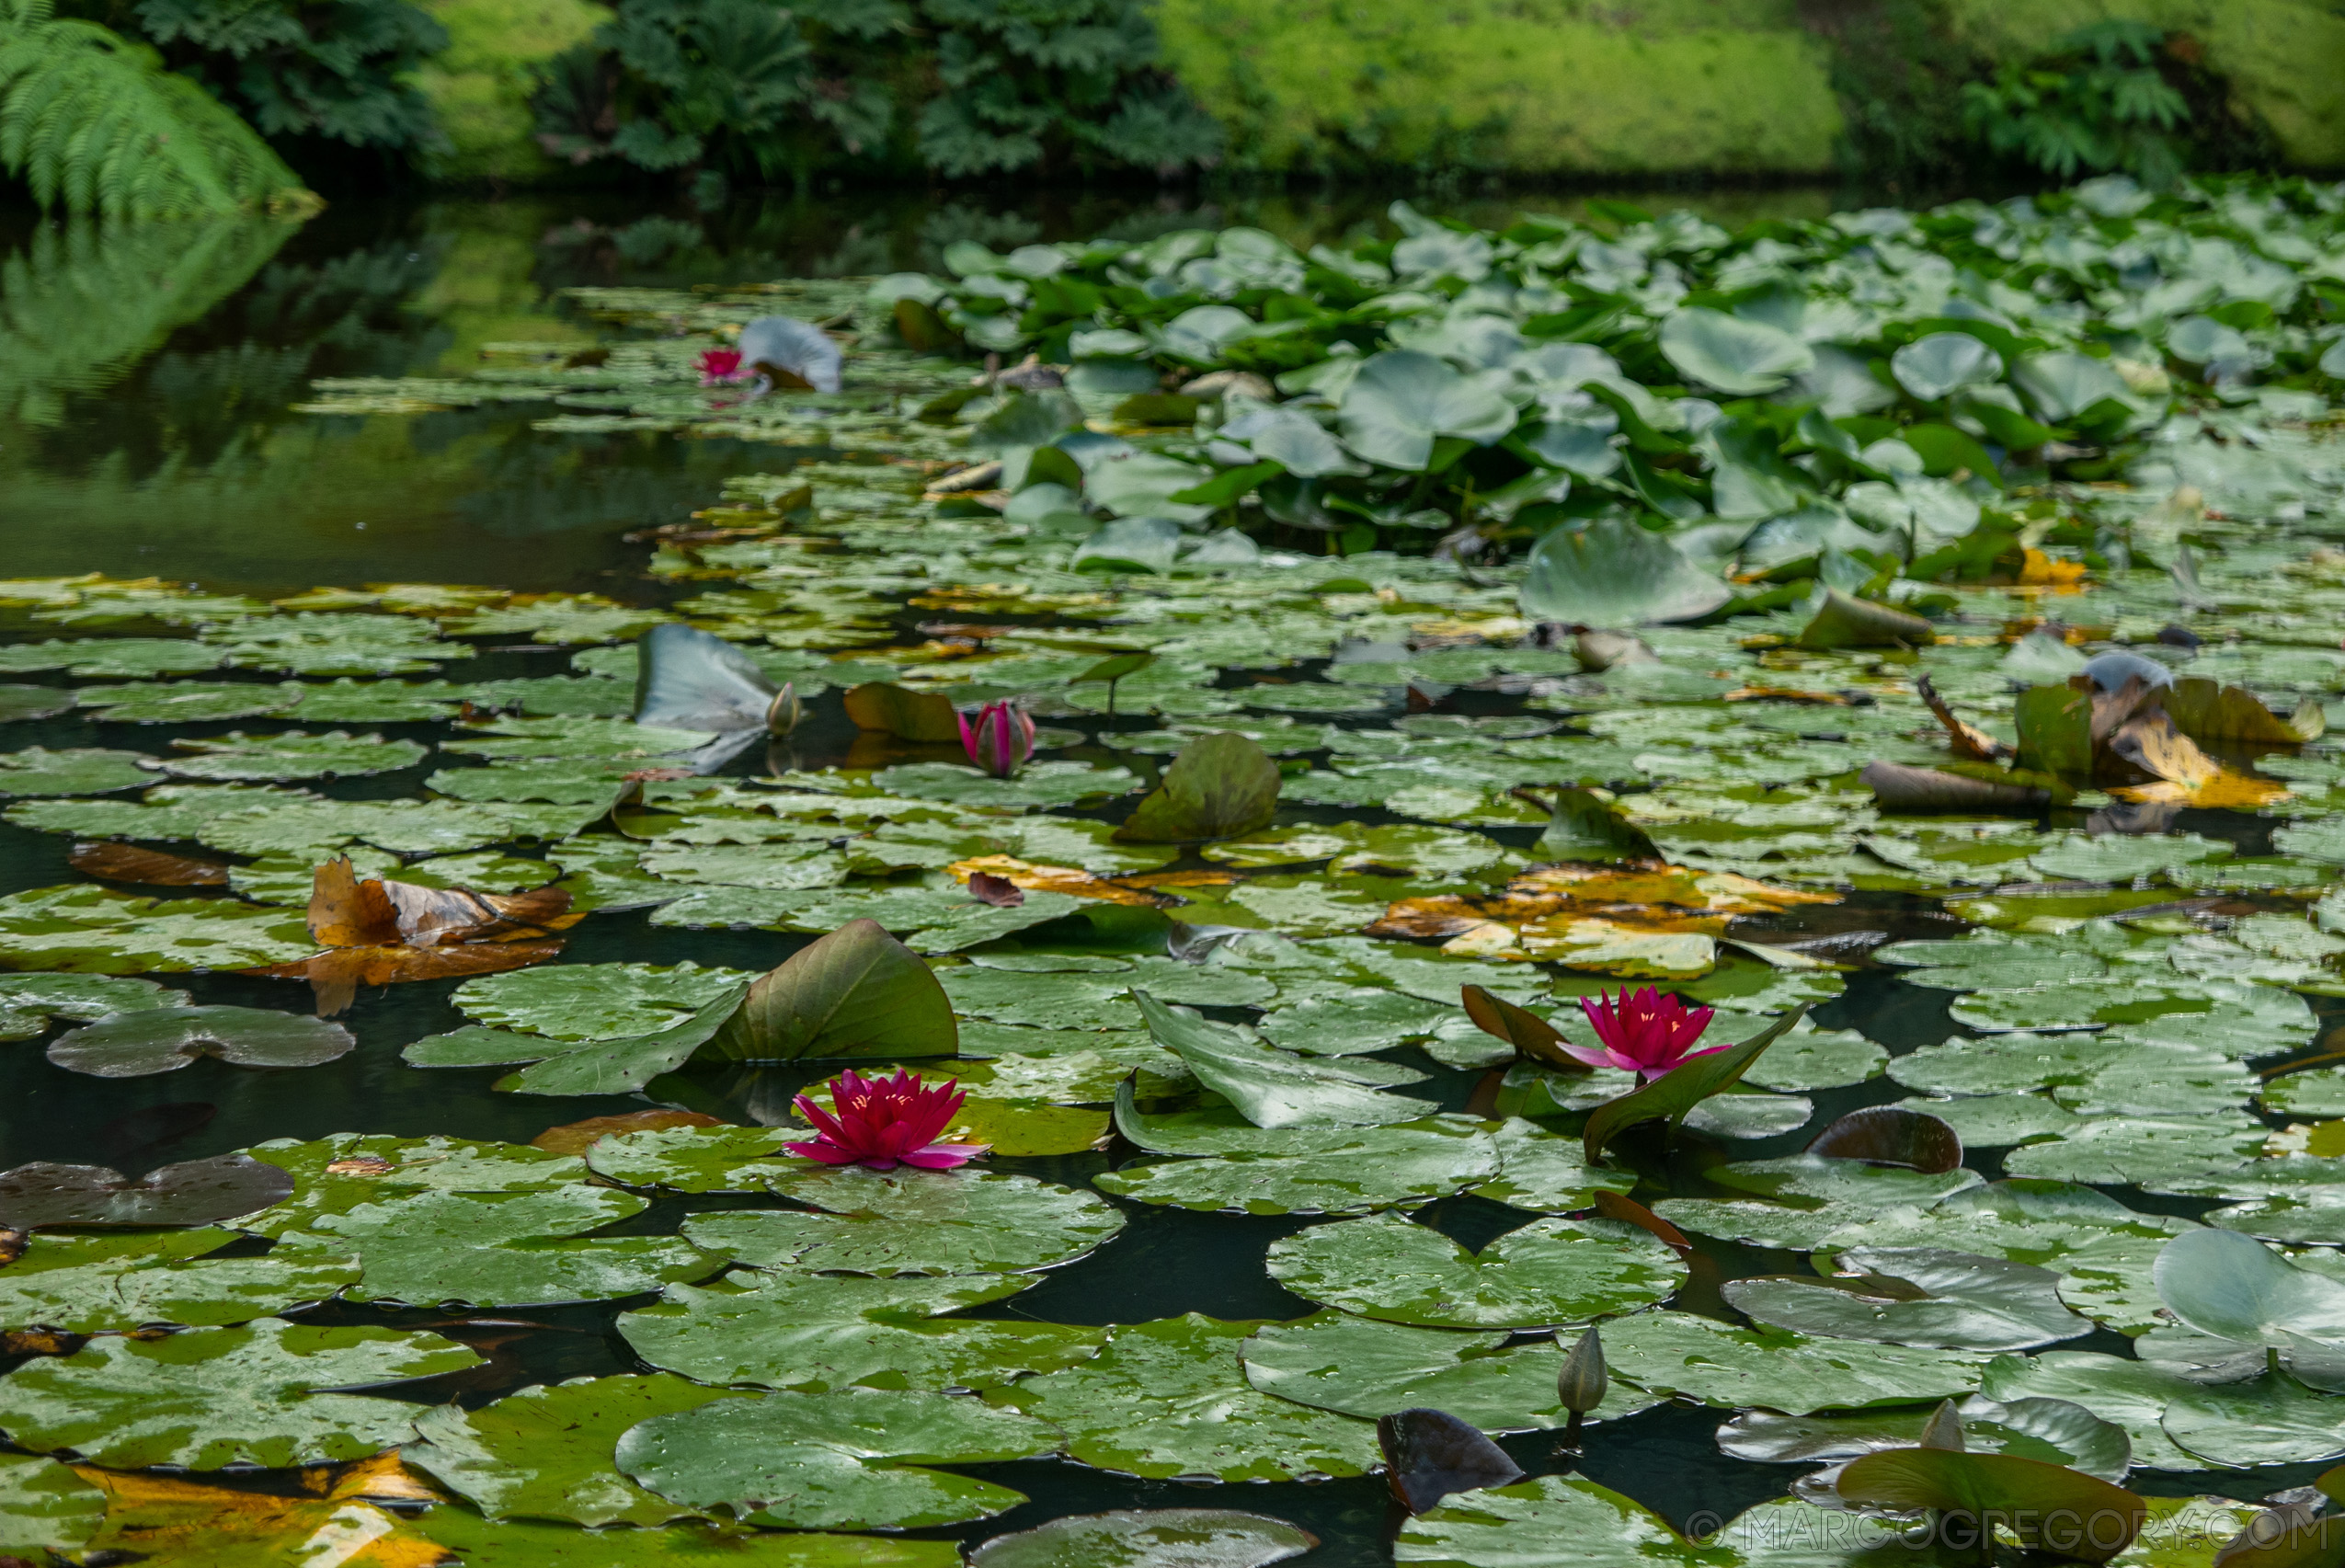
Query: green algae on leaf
{"x": 833, "y": 1461}
{"x": 205, "y": 1397}
{"x": 1547, "y": 1273}
{"x": 1169, "y": 1398}
{"x": 594, "y": 1001}
{"x": 529, "y": 1543}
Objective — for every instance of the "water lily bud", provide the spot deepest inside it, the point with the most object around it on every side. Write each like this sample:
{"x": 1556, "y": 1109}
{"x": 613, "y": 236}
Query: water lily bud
{"x": 1000, "y": 740}
{"x": 1582, "y": 1384}
{"x": 1944, "y": 1429}
{"x": 782, "y": 714}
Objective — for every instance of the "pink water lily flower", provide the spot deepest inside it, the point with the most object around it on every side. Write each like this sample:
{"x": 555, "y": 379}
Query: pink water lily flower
{"x": 1647, "y": 1033}
{"x": 720, "y": 367}
{"x": 1000, "y": 740}
{"x": 881, "y": 1123}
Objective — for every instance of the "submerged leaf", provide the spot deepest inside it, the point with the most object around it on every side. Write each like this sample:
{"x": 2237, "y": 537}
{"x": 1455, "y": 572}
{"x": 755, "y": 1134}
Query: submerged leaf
{"x": 197, "y": 1191}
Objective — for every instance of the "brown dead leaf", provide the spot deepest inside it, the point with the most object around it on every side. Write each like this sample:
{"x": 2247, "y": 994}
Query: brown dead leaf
{"x": 1718, "y": 892}
{"x": 572, "y": 1138}
{"x": 1628, "y": 1211}
{"x": 1966, "y": 739}
{"x": 383, "y": 1479}
{"x": 998, "y": 891}
{"x": 129, "y": 863}
{"x": 1032, "y": 878}
{"x": 2114, "y": 708}
{"x": 335, "y": 974}
{"x": 39, "y": 1342}
{"x": 360, "y": 1165}
{"x": 175, "y": 1520}
{"x": 12, "y": 1244}
{"x": 2180, "y": 772}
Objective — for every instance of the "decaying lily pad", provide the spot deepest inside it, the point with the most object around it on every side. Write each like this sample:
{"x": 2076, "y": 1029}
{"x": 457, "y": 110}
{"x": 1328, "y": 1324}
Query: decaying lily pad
{"x": 197, "y": 1191}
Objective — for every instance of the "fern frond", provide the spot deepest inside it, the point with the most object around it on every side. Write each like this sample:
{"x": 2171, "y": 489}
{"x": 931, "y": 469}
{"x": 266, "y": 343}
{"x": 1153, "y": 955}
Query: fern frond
{"x": 96, "y": 124}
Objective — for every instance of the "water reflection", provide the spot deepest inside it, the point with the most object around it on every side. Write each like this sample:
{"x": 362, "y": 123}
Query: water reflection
{"x": 151, "y": 370}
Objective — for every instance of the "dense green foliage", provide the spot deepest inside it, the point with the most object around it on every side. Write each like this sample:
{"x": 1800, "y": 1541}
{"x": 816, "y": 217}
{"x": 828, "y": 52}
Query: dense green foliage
{"x": 2101, "y": 104}
{"x": 329, "y": 70}
{"x": 94, "y": 123}
{"x": 959, "y": 87}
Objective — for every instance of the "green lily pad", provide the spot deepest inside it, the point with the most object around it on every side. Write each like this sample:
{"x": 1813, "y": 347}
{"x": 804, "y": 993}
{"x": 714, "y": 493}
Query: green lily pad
{"x": 697, "y": 1158}
{"x": 544, "y": 1452}
{"x": 925, "y": 1222}
{"x": 118, "y": 1281}
{"x": 1360, "y": 1367}
{"x": 91, "y": 930}
{"x": 208, "y": 1397}
{"x": 1550, "y": 1271}
{"x": 163, "y": 1039}
{"x": 1842, "y": 1180}
{"x": 817, "y": 1332}
{"x": 1615, "y": 573}
{"x": 45, "y": 1505}
{"x": 1220, "y": 786}
{"x": 816, "y": 1461}
{"x": 1273, "y": 1088}
{"x": 2049, "y": 1430}
{"x": 291, "y": 755}
{"x": 1546, "y": 1173}
{"x": 1150, "y": 1537}
{"x": 857, "y": 992}
{"x": 338, "y": 1173}
{"x": 1676, "y": 1353}
{"x": 2130, "y": 1394}
{"x": 38, "y": 772}
{"x": 2117, "y": 1151}
{"x": 1817, "y": 1058}
{"x": 1169, "y": 1398}
{"x": 1546, "y": 1522}
{"x": 30, "y": 1003}
{"x": 1965, "y": 1301}
{"x": 1342, "y": 1170}
{"x": 594, "y": 1001}
{"x": 528, "y": 1543}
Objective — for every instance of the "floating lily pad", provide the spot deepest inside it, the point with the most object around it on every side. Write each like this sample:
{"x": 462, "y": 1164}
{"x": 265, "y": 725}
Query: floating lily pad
{"x": 1550, "y": 1271}
{"x": 835, "y": 1460}
{"x": 90, "y": 930}
{"x": 195, "y": 1191}
{"x": 2130, "y": 1394}
{"x": 209, "y": 1397}
{"x": 45, "y": 1505}
{"x": 1169, "y": 1398}
{"x": 1546, "y": 1173}
{"x": 37, "y": 772}
{"x": 1548, "y": 1522}
{"x": 696, "y": 1159}
{"x": 291, "y": 755}
{"x": 526, "y": 1543}
{"x": 1150, "y": 1537}
{"x": 925, "y": 1222}
{"x": 817, "y": 1332}
{"x": 163, "y": 1039}
{"x": 594, "y": 1001}
{"x": 1361, "y": 1366}
{"x": 1676, "y": 1353}
{"x": 27, "y": 1003}
{"x": 1347, "y": 1172}
{"x": 1963, "y": 1301}
{"x": 336, "y": 1174}
{"x": 120, "y": 1282}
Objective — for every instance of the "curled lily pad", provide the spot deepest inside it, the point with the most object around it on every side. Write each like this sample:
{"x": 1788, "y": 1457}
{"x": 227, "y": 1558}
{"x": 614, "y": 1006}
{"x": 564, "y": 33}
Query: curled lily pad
{"x": 836, "y": 1459}
{"x": 857, "y": 992}
{"x": 2051, "y": 1508}
{"x": 196, "y": 1192}
{"x": 1150, "y": 1537}
{"x": 1220, "y": 786}
{"x": 1429, "y": 1454}
{"x": 1550, "y": 1271}
{"x": 1614, "y": 573}
{"x": 163, "y": 1039}
{"x": 2233, "y": 1287}
{"x": 1892, "y": 1135}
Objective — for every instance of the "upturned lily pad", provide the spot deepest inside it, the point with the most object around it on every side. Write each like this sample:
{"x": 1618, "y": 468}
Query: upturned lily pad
{"x": 1220, "y": 786}
{"x": 922, "y": 1222}
{"x": 1550, "y": 1271}
{"x": 2127, "y": 1393}
{"x": 545, "y": 1452}
{"x": 163, "y": 1039}
{"x": 2049, "y": 1507}
{"x": 1955, "y": 1301}
{"x": 819, "y": 1331}
{"x": 1169, "y": 1398}
{"x": 1361, "y": 1366}
{"x": 1676, "y": 1353}
{"x": 1614, "y": 573}
{"x": 857, "y": 992}
{"x": 815, "y": 1461}
{"x": 1150, "y": 1537}
{"x": 209, "y": 1397}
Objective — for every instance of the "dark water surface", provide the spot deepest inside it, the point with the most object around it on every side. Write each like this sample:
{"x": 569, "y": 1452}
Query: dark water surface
{"x": 168, "y": 447}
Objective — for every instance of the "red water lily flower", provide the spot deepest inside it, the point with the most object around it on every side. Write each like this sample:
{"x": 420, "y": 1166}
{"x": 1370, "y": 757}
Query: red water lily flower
{"x": 881, "y": 1123}
{"x": 719, "y": 367}
{"x": 1647, "y": 1034}
{"x": 1000, "y": 740}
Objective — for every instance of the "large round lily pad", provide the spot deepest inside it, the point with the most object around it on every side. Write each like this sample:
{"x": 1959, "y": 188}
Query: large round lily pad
{"x": 194, "y": 1192}
{"x": 915, "y": 1222}
{"x": 1676, "y": 1353}
{"x": 163, "y": 1039}
{"x": 1550, "y": 1271}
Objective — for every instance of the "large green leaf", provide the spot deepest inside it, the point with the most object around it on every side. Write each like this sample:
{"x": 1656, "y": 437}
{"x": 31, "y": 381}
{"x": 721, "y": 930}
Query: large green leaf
{"x": 1220, "y": 786}
{"x": 544, "y": 1452}
{"x": 852, "y": 1459}
{"x": 1743, "y": 358}
{"x": 1401, "y": 401}
{"x": 1171, "y": 1398}
{"x": 2051, "y": 1508}
{"x": 209, "y": 1397}
{"x": 120, "y": 1281}
{"x": 163, "y": 1039}
{"x": 1676, "y": 1353}
{"x": 961, "y": 1222}
{"x": 1548, "y": 1272}
{"x": 44, "y": 1505}
{"x": 857, "y": 992}
{"x": 1615, "y": 573}
{"x": 1553, "y": 1521}
{"x": 525, "y": 1543}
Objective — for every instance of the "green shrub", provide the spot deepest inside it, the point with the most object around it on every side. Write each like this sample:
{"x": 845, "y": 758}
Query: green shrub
{"x": 94, "y": 123}
{"x": 956, "y": 87}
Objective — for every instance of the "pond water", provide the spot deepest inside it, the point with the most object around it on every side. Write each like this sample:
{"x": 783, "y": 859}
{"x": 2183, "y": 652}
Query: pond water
{"x": 169, "y": 447}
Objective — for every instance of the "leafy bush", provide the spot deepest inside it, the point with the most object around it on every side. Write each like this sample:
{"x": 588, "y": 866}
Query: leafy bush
{"x": 2102, "y": 104}
{"x": 94, "y": 122}
{"x": 302, "y": 70}
{"x": 958, "y": 87}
